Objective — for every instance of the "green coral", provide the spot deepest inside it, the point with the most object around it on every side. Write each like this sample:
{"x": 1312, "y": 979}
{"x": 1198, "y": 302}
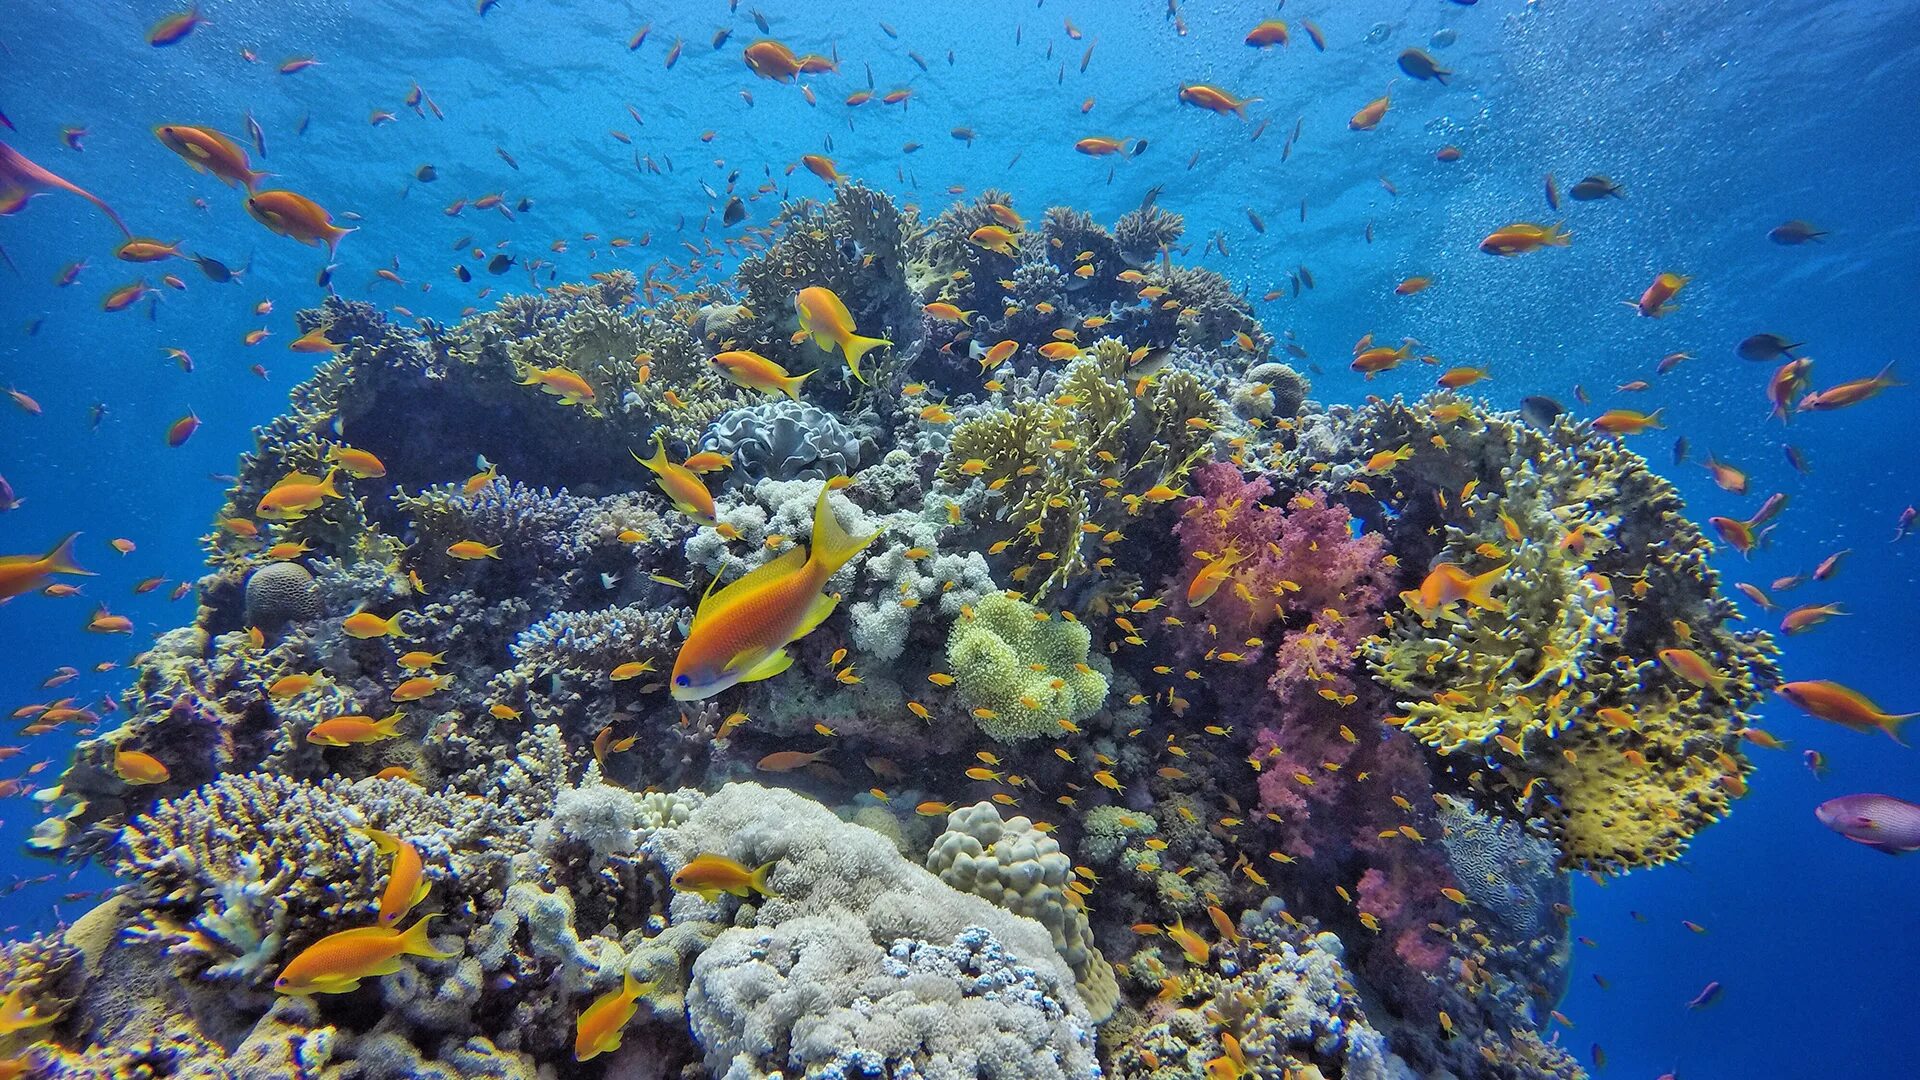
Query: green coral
{"x": 1023, "y": 671}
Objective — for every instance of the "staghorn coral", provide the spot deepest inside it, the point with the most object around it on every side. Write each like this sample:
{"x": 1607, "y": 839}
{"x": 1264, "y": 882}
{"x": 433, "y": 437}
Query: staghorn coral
{"x": 1022, "y": 671}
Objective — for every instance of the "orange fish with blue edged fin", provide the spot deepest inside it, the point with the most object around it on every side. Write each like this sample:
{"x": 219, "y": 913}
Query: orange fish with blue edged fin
{"x": 710, "y": 875}
{"x": 21, "y": 180}
{"x": 825, "y": 318}
{"x": 1524, "y": 236}
{"x": 688, "y": 492}
{"x": 598, "y": 1029}
{"x": 336, "y": 963}
{"x": 25, "y": 573}
{"x": 741, "y": 632}
{"x": 1843, "y": 705}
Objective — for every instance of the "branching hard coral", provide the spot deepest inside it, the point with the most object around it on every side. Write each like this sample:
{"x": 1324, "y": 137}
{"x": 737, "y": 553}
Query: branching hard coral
{"x": 1144, "y": 233}
{"x": 1072, "y": 469}
{"x": 1017, "y": 867}
{"x": 1563, "y": 687}
{"x": 1024, "y": 672}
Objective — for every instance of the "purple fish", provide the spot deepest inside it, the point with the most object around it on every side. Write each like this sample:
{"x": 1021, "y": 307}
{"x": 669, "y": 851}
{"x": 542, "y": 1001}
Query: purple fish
{"x": 7, "y": 499}
{"x": 1902, "y": 526}
{"x": 1881, "y": 822}
{"x": 1707, "y": 996}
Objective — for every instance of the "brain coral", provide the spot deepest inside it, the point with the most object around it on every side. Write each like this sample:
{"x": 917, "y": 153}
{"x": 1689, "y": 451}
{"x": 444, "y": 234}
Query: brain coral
{"x": 1023, "y": 671}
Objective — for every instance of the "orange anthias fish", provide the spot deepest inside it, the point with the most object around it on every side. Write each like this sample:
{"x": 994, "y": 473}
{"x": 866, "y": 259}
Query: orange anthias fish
{"x": 296, "y": 495}
{"x": 1842, "y": 705}
{"x": 771, "y": 59}
{"x": 688, "y": 492}
{"x": 1848, "y": 393}
{"x": 1626, "y": 421}
{"x": 138, "y": 767}
{"x": 1102, "y": 145}
{"x": 336, "y": 963}
{"x": 1656, "y": 301}
{"x": 710, "y": 875}
{"x": 598, "y": 1029}
{"x": 406, "y": 882}
{"x": 1213, "y": 99}
{"x": 25, "y": 573}
{"x": 823, "y": 167}
{"x": 1381, "y": 358}
{"x": 1270, "y": 32}
{"x": 352, "y": 730}
{"x": 1211, "y": 576}
{"x": 21, "y": 180}
{"x": 296, "y": 217}
{"x": 211, "y": 152}
{"x": 1447, "y": 584}
{"x": 1370, "y": 114}
{"x": 741, "y": 633}
{"x": 563, "y": 383}
{"x": 756, "y": 372}
{"x": 1522, "y": 237}
{"x": 1694, "y": 668}
{"x": 826, "y": 319}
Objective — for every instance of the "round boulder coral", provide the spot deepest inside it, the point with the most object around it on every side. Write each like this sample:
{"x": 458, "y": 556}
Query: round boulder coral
{"x": 279, "y": 593}
{"x": 1022, "y": 672}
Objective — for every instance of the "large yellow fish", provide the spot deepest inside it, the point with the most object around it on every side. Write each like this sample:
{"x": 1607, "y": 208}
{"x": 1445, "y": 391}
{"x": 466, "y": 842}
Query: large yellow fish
{"x": 828, "y": 322}
{"x": 25, "y": 573}
{"x": 741, "y": 633}
{"x": 710, "y": 875}
{"x": 336, "y": 963}
{"x": 295, "y": 496}
{"x": 756, "y": 372}
{"x": 406, "y": 882}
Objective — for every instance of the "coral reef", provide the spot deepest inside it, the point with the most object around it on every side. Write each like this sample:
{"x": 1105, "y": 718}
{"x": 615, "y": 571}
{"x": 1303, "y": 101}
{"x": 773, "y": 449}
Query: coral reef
{"x": 1139, "y": 643}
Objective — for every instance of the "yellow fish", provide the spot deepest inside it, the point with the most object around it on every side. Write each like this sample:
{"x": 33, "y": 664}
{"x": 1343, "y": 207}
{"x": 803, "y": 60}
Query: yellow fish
{"x": 336, "y": 963}
{"x": 406, "y": 881}
{"x": 825, "y": 319}
{"x": 598, "y": 1029}
{"x": 710, "y": 875}
{"x": 688, "y": 492}
{"x": 756, "y": 372}
{"x": 741, "y": 633}
{"x": 296, "y": 496}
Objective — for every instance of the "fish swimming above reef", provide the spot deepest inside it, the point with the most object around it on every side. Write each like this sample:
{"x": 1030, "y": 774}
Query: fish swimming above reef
{"x": 740, "y": 633}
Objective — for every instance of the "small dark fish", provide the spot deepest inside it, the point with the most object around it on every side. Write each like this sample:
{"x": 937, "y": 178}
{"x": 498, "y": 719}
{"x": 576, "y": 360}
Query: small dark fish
{"x": 1795, "y": 232}
{"x": 1541, "y": 411}
{"x": 1443, "y": 38}
{"x": 1139, "y": 147}
{"x": 918, "y": 59}
{"x": 1303, "y": 209}
{"x": 1904, "y": 524}
{"x": 890, "y": 31}
{"x": 1369, "y": 232}
{"x": 1816, "y": 763}
{"x": 1306, "y": 275}
{"x": 1766, "y": 348}
{"x": 460, "y": 271}
{"x": 1254, "y": 219}
{"x": 8, "y": 501}
{"x": 484, "y": 6}
{"x": 508, "y": 158}
{"x": 1147, "y": 200}
{"x": 1599, "y": 1055}
{"x": 908, "y": 148}
{"x": 1597, "y": 186}
{"x": 301, "y": 127}
{"x": 9, "y": 123}
{"x": 213, "y": 268}
{"x": 721, "y": 35}
{"x": 1553, "y": 193}
{"x": 760, "y": 21}
{"x": 962, "y": 134}
{"x": 735, "y": 212}
{"x": 1418, "y": 64}
{"x": 463, "y": 243}
{"x": 500, "y": 263}
{"x": 1711, "y": 992}
{"x": 1600, "y": 981}
{"x": 95, "y": 415}
{"x": 426, "y": 174}
{"x": 259, "y": 136}
{"x": 1680, "y": 450}
{"x": 324, "y": 278}
{"x": 525, "y": 204}
{"x": 34, "y": 324}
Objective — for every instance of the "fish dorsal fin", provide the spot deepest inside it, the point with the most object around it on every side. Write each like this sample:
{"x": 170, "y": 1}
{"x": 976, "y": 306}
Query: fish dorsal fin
{"x": 297, "y": 478}
{"x": 789, "y": 561}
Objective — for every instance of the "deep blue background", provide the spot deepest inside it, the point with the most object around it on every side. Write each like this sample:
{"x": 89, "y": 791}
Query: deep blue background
{"x": 1721, "y": 120}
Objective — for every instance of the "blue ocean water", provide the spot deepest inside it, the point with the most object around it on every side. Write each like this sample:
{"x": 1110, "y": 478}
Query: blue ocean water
{"x": 1719, "y": 120}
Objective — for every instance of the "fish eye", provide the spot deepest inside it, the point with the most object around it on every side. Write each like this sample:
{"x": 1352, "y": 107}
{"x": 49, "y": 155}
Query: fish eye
{"x": 682, "y": 680}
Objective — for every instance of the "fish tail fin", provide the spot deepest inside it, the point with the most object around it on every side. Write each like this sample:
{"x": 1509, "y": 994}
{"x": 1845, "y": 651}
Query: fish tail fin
{"x": 334, "y": 233}
{"x": 326, "y": 483}
{"x": 758, "y": 880}
{"x": 1891, "y": 725}
{"x": 1240, "y": 107}
{"x": 857, "y": 347}
{"x": 1653, "y": 419}
{"x": 1885, "y": 378}
{"x": 60, "y": 559}
{"x": 1480, "y": 589}
{"x": 389, "y": 725}
{"x": 832, "y": 545}
{"x": 659, "y": 457}
{"x": 791, "y": 384}
{"x": 414, "y": 942}
{"x": 252, "y": 177}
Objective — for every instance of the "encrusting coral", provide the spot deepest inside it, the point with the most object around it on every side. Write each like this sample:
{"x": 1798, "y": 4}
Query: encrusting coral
{"x": 1139, "y": 643}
